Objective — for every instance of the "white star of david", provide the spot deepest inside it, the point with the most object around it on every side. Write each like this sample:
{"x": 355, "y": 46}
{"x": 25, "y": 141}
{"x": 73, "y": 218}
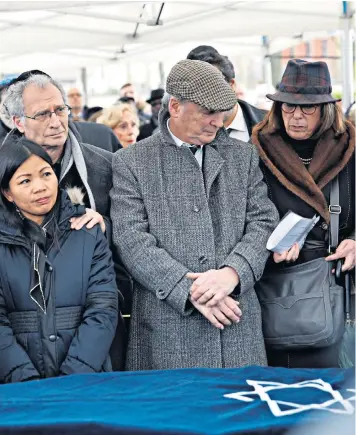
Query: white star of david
{"x": 262, "y": 388}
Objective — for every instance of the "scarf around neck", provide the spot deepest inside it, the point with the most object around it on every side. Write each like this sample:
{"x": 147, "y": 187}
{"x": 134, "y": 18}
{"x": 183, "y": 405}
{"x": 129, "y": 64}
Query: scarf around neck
{"x": 74, "y": 154}
{"x": 331, "y": 154}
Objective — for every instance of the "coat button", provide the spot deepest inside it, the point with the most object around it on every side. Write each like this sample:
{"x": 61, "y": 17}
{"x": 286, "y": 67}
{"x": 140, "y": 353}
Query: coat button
{"x": 161, "y": 293}
{"x": 324, "y": 226}
{"x": 196, "y": 209}
{"x": 49, "y": 268}
{"x": 203, "y": 259}
{"x": 52, "y": 338}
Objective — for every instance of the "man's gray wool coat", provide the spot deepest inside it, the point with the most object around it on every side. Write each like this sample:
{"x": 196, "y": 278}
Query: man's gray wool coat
{"x": 169, "y": 218}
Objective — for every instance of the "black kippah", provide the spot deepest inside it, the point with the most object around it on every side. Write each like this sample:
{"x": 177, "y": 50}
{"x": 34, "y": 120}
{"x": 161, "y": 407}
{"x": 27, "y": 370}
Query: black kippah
{"x": 25, "y": 75}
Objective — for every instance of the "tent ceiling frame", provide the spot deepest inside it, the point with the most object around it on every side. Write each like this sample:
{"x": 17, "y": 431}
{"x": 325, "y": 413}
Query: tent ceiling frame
{"x": 223, "y": 7}
{"x": 46, "y": 5}
{"x": 290, "y": 12}
{"x": 102, "y": 16}
{"x": 12, "y": 24}
{"x": 111, "y": 43}
{"x": 62, "y": 52}
{"x": 76, "y": 54}
{"x": 60, "y": 27}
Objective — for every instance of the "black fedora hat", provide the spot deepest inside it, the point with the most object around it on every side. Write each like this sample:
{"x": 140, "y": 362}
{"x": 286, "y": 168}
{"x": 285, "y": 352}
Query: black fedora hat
{"x": 156, "y": 94}
{"x": 304, "y": 83}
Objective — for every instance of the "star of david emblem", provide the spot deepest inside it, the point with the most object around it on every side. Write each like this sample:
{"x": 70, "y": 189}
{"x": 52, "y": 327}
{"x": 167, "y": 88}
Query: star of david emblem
{"x": 336, "y": 404}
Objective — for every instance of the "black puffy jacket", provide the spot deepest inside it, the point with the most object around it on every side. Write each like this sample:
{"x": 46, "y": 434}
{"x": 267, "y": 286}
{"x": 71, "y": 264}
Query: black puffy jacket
{"x": 72, "y": 332}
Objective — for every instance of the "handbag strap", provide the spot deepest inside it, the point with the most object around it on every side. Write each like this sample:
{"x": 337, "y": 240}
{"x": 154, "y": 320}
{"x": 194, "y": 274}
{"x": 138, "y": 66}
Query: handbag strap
{"x": 335, "y": 210}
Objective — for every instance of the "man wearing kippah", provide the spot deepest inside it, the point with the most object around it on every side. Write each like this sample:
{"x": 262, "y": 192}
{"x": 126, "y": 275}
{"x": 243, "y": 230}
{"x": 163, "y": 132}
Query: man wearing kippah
{"x": 191, "y": 219}
{"x": 36, "y": 105}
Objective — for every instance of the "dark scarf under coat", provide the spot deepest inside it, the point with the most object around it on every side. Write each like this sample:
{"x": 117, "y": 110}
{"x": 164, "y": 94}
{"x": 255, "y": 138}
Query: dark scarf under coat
{"x": 41, "y": 234}
{"x": 331, "y": 154}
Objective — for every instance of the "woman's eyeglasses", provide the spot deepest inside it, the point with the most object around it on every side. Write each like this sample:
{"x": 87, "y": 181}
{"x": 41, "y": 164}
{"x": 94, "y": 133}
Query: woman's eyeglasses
{"x": 307, "y": 109}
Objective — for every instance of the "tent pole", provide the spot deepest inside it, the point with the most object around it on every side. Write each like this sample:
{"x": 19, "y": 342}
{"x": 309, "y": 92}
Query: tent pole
{"x": 347, "y": 55}
{"x": 84, "y": 80}
{"x": 267, "y": 66}
{"x": 162, "y": 77}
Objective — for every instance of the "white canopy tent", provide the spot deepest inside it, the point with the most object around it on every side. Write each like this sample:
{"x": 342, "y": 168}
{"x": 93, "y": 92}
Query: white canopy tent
{"x": 60, "y": 36}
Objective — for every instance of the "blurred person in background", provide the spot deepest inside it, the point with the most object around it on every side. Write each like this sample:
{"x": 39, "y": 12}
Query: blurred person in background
{"x": 155, "y": 102}
{"x": 98, "y": 135}
{"x": 244, "y": 116}
{"x": 139, "y": 107}
{"x": 94, "y": 112}
{"x": 128, "y": 95}
{"x": 208, "y": 50}
{"x": 123, "y": 121}
{"x": 75, "y": 101}
{"x": 304, "y": 143}
{"x": 6, "y": 123}
{"x": 128, "y": 91}
{"x": 143, "y": 111}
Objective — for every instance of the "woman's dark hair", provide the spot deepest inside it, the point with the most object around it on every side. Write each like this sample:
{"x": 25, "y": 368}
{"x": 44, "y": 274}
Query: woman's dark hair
{"x": 13, "y": 153}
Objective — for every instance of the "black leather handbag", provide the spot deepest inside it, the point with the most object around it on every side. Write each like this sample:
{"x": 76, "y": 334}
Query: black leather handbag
{"x": 303, "y": 305}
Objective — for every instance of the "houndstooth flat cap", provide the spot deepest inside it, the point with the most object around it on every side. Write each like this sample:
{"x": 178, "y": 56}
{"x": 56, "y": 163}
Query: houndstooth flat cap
{"x": 202, "y": 84}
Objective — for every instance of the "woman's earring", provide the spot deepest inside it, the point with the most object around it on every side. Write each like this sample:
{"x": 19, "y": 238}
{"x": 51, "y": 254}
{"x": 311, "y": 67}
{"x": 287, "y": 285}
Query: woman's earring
{"x": 18, "y": 211}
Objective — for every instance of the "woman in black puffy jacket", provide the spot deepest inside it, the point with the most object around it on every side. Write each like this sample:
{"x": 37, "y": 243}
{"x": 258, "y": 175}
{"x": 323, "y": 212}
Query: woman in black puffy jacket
{"x": 58, "y": 297}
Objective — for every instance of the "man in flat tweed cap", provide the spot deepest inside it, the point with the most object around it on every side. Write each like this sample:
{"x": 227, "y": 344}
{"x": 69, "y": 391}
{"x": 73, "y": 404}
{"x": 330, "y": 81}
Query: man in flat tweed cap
{"x": 192, "y": 81}
{"x": 191, "y": 219}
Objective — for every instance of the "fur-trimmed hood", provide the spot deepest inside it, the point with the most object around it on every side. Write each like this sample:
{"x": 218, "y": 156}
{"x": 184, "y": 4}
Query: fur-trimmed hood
{"x": 76, "y": 195}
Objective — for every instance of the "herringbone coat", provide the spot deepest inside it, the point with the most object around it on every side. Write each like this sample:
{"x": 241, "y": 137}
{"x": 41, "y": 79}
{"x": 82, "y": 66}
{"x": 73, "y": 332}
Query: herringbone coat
{"x": 170, "y": 217}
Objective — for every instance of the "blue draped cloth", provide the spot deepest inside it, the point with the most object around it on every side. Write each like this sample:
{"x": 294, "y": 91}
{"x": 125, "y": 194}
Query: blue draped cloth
{"x": 250, "y": 400}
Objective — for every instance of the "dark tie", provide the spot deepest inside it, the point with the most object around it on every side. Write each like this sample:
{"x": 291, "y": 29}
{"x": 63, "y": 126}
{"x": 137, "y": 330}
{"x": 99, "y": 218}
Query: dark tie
{"x": 193, "y": 149}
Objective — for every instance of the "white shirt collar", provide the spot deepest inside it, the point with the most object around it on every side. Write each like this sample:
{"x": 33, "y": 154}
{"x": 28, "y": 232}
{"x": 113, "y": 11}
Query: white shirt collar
{"x": 176, "y": 139}
{"x": 238, "y": 123}
{"x": 198, "y": 155}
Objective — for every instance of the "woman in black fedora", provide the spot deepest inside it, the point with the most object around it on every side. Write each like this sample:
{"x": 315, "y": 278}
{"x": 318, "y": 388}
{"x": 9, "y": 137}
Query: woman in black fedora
{"x": 304, "y": 144}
